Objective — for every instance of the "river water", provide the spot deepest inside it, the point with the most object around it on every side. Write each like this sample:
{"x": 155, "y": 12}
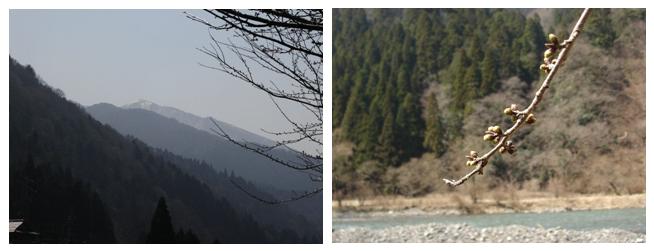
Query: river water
{"x": 630, "y": 219}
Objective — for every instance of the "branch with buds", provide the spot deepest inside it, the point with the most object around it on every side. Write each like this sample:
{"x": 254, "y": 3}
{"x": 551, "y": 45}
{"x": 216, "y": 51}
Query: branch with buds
{"x": 500, "y": 138}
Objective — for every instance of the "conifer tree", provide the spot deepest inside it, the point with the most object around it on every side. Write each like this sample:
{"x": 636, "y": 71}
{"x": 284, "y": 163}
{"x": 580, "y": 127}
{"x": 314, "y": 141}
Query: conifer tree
{"x": 386, "y": 151}
{"x": 161, "y": 228}
{"x": 434, "y": 139}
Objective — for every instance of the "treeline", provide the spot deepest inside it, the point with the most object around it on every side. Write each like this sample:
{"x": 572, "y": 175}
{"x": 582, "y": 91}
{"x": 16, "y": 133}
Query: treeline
{"x": 279, "y": 220}
{"x": 384, "y": 60}
{"x": 414, "y": 89}
{"x": 55, "y": 206}
{"x": 122, "y": 174}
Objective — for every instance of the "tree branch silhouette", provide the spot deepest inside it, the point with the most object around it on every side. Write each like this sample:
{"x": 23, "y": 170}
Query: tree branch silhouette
{"x": 287, "y": 43}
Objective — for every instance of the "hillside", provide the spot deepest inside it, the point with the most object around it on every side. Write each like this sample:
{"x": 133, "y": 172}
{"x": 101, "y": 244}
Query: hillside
{"x": 466, "y": 67}
{"x": 166, "y": 133}
{"x": 200, "y": 123}
{"x": 277, "y": 181}
{"x": 46, "y": 130}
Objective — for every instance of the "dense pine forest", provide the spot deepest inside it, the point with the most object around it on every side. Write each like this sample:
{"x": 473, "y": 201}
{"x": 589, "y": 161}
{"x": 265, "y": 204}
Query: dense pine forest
{"x": 75, "y": 180}
{"x": 413, "y": 90}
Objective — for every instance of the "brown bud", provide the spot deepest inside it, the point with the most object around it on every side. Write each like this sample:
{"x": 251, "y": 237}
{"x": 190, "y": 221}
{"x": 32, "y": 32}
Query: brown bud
{"x": 508, "y": 111}
{"x": 473, "y": 154}
{"x": 553, "y": 39}
{"x": 543, "y": 67}
{"x": 502, "y": 149}
{"x": 530, "y": 119}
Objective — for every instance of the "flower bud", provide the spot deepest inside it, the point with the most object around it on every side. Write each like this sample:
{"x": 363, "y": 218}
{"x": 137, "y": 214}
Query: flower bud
{"x": 488, "y": 137}
{"x": 473, "y": 154}
{"x": 508, "y": 111}
{"x": 553, "y": 39}
{"x": 530, "y": 119}
{"x": 543, "y": 67}
{"x": 548, "y": 54}
{"x": 502, "y": 149}
{"x": 495, "y": 129}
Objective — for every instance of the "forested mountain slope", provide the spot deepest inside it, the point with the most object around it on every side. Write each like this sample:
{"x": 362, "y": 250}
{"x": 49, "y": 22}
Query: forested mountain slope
{"x": 227, "y": 160}
{"x": 166, "y": 133}
{"x": 414, "y": 90}
{"x": 121, "y": 176}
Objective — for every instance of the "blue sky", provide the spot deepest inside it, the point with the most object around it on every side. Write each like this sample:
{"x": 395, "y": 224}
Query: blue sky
{"x": 121, "y": 56}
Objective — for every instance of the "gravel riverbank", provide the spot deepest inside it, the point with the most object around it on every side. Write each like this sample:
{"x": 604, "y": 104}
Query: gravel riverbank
{"x": 467, "y": 233}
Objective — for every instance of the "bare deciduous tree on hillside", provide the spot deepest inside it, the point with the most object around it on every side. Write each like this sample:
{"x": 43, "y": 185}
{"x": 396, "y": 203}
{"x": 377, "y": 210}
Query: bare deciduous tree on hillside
{"x": 287, "y": 43}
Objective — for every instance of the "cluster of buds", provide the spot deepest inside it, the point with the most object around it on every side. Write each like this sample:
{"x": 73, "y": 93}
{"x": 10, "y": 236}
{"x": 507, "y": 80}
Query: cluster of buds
{"x": 473, "y": 159}
{"x": 493, "y": 134}
{"x": 548, "y": 56}
{"x": 508, "y": 147}
{"x": 514, "y": 113}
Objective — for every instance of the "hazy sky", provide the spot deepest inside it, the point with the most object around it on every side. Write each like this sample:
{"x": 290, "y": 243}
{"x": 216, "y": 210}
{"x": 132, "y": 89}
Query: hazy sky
{"x": 121, "y": 56}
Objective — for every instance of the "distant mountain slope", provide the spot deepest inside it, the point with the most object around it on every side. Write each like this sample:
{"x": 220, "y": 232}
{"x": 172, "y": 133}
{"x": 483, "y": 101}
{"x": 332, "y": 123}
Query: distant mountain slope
{"x": 47, "y": 130}
{"x": 200, "y": 123}
{"x": 302, "y": 216}
{"x": 161, "y": 132}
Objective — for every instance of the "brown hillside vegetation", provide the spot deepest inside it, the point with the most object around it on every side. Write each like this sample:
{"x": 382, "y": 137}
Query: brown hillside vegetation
{"x": 589, "y": 135}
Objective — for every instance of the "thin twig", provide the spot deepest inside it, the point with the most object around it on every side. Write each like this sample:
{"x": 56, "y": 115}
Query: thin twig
{"x": 303, "y": 195}
{"x": 480, "y": 162}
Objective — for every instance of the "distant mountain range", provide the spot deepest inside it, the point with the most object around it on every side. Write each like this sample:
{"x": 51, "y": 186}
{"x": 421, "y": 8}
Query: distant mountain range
{"x": 75, "y": 180}
{"x": 200, "y": 123}
{"x": 186, "y": 140}
{"x": 277, "y": 180}
{"x": 310, "y": 207}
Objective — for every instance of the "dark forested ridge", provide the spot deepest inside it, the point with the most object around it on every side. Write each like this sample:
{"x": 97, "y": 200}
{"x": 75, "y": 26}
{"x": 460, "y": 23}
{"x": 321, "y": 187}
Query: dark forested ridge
{"x": 100, "y": 177}
{"x": 221, "y": 163}
{"x": 413, "y": 90}
{"x": 296, "y": 216}
{"x": 60, "y": 208}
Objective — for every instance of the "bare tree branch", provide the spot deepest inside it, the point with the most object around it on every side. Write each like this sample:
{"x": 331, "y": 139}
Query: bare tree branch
{"x": 287, "y": 43}
{"x": 502, "y": 138}
{"x": 272, "y": 202}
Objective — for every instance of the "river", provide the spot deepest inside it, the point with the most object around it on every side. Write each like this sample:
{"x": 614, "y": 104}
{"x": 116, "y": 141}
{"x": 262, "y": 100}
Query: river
{"x": 630, "y": 219}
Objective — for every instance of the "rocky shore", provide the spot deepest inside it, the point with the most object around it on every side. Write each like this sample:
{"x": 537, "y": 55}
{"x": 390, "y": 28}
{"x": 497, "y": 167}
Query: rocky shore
{"x": 467, "y": 233}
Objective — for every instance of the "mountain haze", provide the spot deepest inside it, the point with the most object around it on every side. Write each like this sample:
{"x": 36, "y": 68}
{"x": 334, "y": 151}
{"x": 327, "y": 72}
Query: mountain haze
{"x": 179, "y": 138}
{"x": 200, "y": 123}
{"x": 60, "y": 157}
